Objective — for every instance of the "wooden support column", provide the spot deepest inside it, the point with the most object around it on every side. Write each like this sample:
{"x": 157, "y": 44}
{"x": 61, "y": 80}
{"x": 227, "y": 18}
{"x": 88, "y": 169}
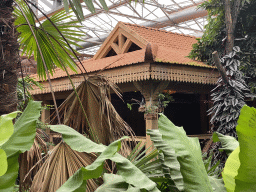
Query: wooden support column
{"x": 45, "y": 118}
{"x": 150, "y": 90}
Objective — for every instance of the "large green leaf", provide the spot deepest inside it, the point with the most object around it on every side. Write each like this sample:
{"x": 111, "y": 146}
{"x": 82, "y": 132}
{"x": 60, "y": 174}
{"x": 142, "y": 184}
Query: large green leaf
{"x": 230, "y": 170}
{"x": 189, "y": 155}
{"x": 217, "y": 184}
{"x": 3, "y": 162}
{"x": 77, "y": 141}
{"x": 6, "y": 126}
{"x": 112, "y": 183}
{"x": 246, "y": 131}
{"x": 6, "y": 130}
{"x": 130, "y": 173}
{"x": 240, "y": 169}
{"x": 229, "y": 143}
{"x": 171, "y": 166}
{"x": 20, "y": 141}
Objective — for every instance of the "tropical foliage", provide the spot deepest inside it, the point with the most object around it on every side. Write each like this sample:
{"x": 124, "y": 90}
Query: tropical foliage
{"x": 50, "y": 41}
{"x": 181, "y": 165}
{"x": 176, "y": 165}
{"x": 95, "y": 116}
{"x": 215, "y": 36}
{"x": 16, "y": 139}
{"x": 82, "y": 144}
{"x": 77, "y": 7}
{"x": 24, "y": 86}
{"x": 228, "y": 99}
{"x": 240, "y": 166}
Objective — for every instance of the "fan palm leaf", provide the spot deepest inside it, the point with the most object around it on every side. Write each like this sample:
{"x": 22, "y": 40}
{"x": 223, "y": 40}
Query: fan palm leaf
{"x": 54, "y": 48}
{"x": 77, "y": 7}
{"x": 102, "y": 123}
{"x": 31, "y": 160}
{"x": 61, "y": 164}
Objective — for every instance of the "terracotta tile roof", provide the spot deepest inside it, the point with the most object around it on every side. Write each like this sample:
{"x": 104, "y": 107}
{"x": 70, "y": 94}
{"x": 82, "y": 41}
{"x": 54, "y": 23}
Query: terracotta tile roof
{"x": 170, "y": 48}
{"x": 178, "y": 57}
{"x": 164, "y": 38}
{"x": 91, "y": 65}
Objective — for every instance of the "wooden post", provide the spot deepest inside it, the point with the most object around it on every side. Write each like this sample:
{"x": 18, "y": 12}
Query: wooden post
{"x": 45, "y": 118}
{"x": 150, "y": 90}
{"x": 151, "y": 120}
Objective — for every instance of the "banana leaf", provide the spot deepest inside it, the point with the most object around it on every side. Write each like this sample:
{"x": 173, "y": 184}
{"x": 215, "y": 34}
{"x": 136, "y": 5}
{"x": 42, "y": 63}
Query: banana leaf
{"x": 20, "y": 141}
{"x": 229, "y": 143}
{"x": 240, "y": 169}
{"x": 188, "y": 152}
{"x": 130, "y": 173}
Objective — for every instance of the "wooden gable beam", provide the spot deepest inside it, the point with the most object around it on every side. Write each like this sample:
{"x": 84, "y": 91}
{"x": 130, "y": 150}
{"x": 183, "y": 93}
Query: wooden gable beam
{"x": 103, "y": 54}
{"x": 129, "y": 36}
{"x": 107, "y": 43}
{"x": 126, "y": 46}
{"x": 140, "y": 41}
{"x": 121, "y": 40}
{"x": 116, "y": 48}
{"x": 120, "y": 32}
{"x": 103, "y": 51}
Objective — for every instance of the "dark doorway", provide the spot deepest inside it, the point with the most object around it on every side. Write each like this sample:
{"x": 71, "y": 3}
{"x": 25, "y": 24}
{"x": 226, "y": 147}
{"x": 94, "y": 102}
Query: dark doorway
{"x": 134, "y": 118}
{"x": 185, "y": 111}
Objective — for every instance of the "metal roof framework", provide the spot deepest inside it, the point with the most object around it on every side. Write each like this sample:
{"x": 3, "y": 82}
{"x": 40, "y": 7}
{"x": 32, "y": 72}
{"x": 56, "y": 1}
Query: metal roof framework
{"x": 180, "y": 16}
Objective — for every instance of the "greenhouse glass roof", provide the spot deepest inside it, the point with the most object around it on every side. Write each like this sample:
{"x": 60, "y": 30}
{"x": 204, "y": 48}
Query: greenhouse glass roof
{"x": 179, "y": 16}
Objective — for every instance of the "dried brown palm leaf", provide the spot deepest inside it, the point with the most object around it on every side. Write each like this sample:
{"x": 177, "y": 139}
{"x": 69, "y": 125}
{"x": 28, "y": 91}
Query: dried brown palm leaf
{"x": 102, "y": 123}
{"x": 32, "y": 159}
{"x": 61, "y": 164}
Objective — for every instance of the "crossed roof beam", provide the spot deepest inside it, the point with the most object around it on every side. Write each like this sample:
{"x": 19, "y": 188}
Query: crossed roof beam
{"x": 179, "y": 16}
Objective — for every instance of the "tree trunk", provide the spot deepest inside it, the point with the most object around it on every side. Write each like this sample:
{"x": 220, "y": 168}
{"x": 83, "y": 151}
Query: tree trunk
{"x": 232, "y": 10}
{"x": 9, "y": 58}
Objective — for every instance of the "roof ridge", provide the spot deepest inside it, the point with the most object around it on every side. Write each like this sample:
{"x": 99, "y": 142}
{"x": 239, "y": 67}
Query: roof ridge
{"x": 156, "y": 29}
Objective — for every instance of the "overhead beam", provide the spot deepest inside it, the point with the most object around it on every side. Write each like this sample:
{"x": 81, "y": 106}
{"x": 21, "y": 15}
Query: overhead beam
{"x": 130, "y": 16}
{"x": 177, "y": 17}
{"x": 172, "y": 20}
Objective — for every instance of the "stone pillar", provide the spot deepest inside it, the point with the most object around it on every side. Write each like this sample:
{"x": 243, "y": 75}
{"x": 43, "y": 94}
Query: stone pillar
{"x": 150, "y": 90}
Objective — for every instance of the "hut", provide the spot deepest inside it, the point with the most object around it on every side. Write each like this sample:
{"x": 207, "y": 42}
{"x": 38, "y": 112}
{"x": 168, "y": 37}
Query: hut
{"x": 144, "y": 62}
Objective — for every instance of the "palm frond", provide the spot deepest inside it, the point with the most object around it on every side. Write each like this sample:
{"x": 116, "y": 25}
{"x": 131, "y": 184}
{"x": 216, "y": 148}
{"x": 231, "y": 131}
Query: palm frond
{"x": 77, "y": 7}
{"x": 61, "y": 164}
{"x": 55, "y": 50}
{"x": 32, "y": 159}
{"x": 23, "y": 89}
{"x": 103, "y": 124}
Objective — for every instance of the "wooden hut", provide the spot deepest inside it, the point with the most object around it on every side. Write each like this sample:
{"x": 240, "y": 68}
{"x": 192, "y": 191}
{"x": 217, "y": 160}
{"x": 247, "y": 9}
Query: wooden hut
{"x": 147, "y": 61}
